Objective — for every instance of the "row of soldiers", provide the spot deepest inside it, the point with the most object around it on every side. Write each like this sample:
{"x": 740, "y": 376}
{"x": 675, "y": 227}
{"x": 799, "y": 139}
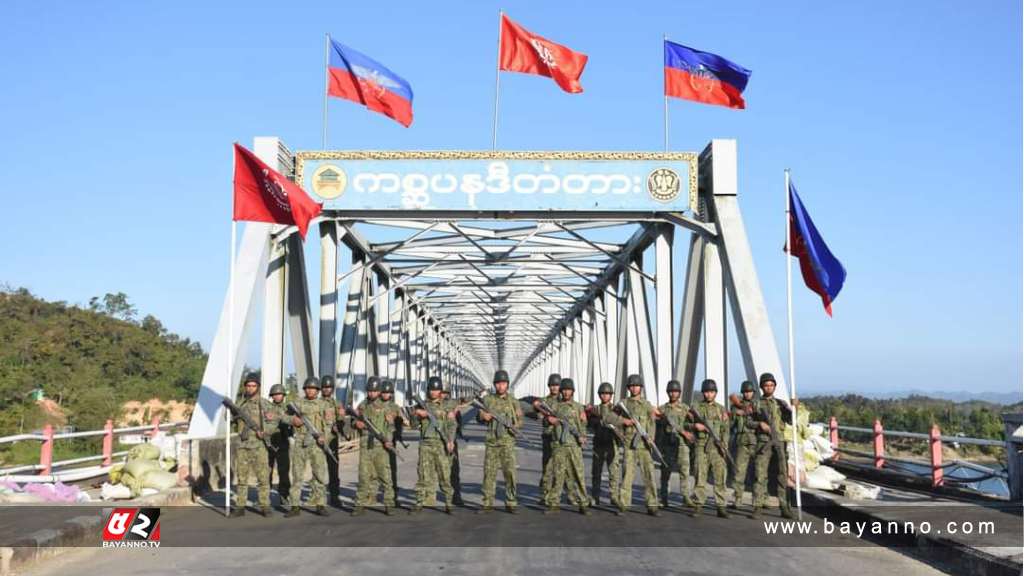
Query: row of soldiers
{"x": 624, "y": 439}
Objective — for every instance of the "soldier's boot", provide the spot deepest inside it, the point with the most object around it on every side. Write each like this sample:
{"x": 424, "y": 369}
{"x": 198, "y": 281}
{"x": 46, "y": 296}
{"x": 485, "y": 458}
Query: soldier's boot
{"x": 553, "y": 509}
{"x": 511, "y": 509}
{"x": 756, "y": 513}
{"x": 237, "y": 512}
{"x": 416, "y": 509}
{"x": 448, "y": 509}
{"x": 664, "y": 503}
{"x": 389, "y": 511}
{"x": 695, "y": 510}
{"x": 321, "y": 510}
{"x": 735, "y": 504}
{"x": 722, "y": 513}
{"x": 484, "y": 509}
{"x": 358, "y": 510}
{"x": 653, "y": 511}
{"x": 585, "y": 510}
{"x": 457, "y": 500}
{"x": 786, "y": 511}
{"x": 292, "y": 512}
{"x": 265, "y": 511}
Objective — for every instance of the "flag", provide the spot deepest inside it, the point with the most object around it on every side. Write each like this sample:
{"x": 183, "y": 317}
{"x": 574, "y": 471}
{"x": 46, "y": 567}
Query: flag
{"x": 703, "y": 77}
{"x": 355, "y": 76}
{"x": 822, "y": 272}
{"x": 264, "y": 195}
{"x": 523, "y": 51}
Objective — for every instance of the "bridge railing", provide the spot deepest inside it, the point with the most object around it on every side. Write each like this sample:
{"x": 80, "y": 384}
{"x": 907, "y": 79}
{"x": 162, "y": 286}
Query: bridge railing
{"x": 48, "y": 437}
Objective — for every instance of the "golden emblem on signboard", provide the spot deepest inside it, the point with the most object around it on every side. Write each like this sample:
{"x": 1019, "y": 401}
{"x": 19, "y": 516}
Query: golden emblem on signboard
{"x": 663, "y": 184}
{"x": 329, "y": 181}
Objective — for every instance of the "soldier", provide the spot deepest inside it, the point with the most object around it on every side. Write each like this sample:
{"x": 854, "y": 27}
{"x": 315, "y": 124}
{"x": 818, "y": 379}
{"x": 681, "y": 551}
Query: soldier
{"x": 554, "y": 381}
{"x": 770, "y": 416}
{"x": 309, "y": 449}
{"x": 706, "y": 454}
{"x": 437, "y": 430}
{"x": 374, "y": 465}
{"x": 675, "y": 440}
{"x": 500, "y": 443}
{"x": 636, "y": 453}
{"x": 567, "y": 439}
{"x": 335, "y": 413}
{"x": 607, "y": 448}
{"x": 252, "y": 452}
{"x": 745, "y": 433}
{"x": 456, "y": 479}
{"x": 280, "y": 439}
{"x": 387, "y": 396}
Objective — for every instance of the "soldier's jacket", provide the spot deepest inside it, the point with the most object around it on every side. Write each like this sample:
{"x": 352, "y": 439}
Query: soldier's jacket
{"x": 260, "y": 410}
{"x": 550, "y": 400}
{"x": 569, "y": 411}
{"x": 640, "y": 409}
{"x": 382, "y": 415}
{"x": 744, "y": 426}
{"x": 451, "y": 404}
{"x": 439, "y": 408}
{"x": 717, "y": 418}
{"x": 606, "y": 414}
{"x": 507, "y": 407}
{"x": 282, "y": 430}
{"x": 316, "y": 412}
{"x": 675, "y": 414}
{"x": 772, "y": 412}
{"x": 332, "y": 414}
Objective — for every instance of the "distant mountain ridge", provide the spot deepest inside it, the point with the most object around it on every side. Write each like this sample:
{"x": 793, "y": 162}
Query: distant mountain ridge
{"x": 1001, "y": 398}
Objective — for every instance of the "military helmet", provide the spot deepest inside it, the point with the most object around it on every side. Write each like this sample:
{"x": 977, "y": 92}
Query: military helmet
{"x": 373, "y": 384}
{"x": 605, "y": 388}
{"x": 500, "y": 376}
{"x": 311, "y": 382}
{"x": 387, "y": 387}
{"x": 554, "y": 379}
{"x": 327, "y": 381}
{"x": 634, "y": 380}
{"x": 434, "y": 383}
{"x": 566, "y": 384}
{"x": 708, "y": 386}
{"x": 276, "y": 389}
{"x": 767, "y": 377}
{"x": 747, "y": 386}
{"x": 251, "y": 377}
{"x": 673, "y": 386}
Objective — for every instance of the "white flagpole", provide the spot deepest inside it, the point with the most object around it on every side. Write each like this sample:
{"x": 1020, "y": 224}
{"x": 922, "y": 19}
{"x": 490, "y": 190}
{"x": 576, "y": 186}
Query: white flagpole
{"x": 327, "y": 85}
{"x": 664, "y": 80}
{"x": 231, "y": 363}
{"x": 497, "y": 86}
{"x": 797, "y": 453}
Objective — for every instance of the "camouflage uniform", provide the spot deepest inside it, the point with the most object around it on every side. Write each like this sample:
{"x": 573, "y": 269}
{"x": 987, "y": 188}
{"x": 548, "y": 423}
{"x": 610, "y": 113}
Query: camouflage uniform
{"x": 607, "y": 453}
{"x": 251, "y": 461}
{"x": 452, "y": 404}
{"x": 545, "y": 436}
{"x": 434, "y": 462}
{"x": 567, "y": 456}
{"x": 770, "y": 410}
{"x": 331, "y": 429}
{"x": 744, "y": 431}
{"x": 706, "y": 454}
{"x": 305, "y": 449}
{"x": 500, "y": 448}
{"x": 280, "y": 438}
{"x": 374, "y": 462}
{"x": 637, "y": 453}
{"x": 396, "y": 438}
{"x": 675, "y": 450}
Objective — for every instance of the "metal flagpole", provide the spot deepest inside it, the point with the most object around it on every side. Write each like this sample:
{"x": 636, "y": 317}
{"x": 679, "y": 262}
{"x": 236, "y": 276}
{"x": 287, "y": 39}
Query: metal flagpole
{"x": 664, "y": 81}
{"x": 327, "y": 83}
{"x": 497, "y": 86}
{"x": 231, "y": 363}
{"x": 797, "y": 453}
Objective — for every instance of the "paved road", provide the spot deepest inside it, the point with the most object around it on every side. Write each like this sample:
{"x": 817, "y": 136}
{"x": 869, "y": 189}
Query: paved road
{"x": 199, "y": 540}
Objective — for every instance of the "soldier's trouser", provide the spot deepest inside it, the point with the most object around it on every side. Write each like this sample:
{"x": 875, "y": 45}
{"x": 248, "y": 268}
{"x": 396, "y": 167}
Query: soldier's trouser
{"x": 744, "y": 452}
{"x": 631, "y": 458}
{"x": 606, "y": 456}
{"x": 567, "y": 473}
{"x": 281, "y": 462}
{"x": 333, "y": 481}
{"x": 251, "y": 466}
{"x": 705, "y": 456}
{"x": 765, "y": 452}
{"x": 678, "y": 459}
{"x": 456, "y": 481}
{"x": 393, "y": 464}
{"x": 434, "y": 466}
{"x": 545, "y": 468}
{"x": 317, "y": 460}
{"x": 374, "y": 476}
{"x": 499, "y": 457}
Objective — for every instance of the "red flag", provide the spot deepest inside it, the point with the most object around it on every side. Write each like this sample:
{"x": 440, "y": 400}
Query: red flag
{"x": 523, "y": 51}
{"x": 264, "y": 195}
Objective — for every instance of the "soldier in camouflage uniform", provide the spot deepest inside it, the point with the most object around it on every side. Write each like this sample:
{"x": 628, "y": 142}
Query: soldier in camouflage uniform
{"x": 745, "y": 434}
{"x": 251, "y": 461}
{"x": 499, "y": 443}
{"x": 335, "y": 413}
{"x": 770, "y": 415}
{"x": 636, "y": 452}
{"x": 280, "y": 439}
{"x": 567, "y": 424}
{"x": 374, "y": 462}
{"x": 705, "y": 453}
{"x": 675, "y": 443}
{"x": 387, "y": 396}
{"x": 607, "y": 448}
{"x": 554, "y": 381}
{"x": 308, "y": 449}
{"x": 455, "y": 475}
{"x": 436, "y": 446}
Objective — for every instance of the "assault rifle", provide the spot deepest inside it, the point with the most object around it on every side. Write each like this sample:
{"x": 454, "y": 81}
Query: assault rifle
{"x": 238, "y": 413}
{"x": 503, "y": 424}
{"x": 312, "y": 431}
{"x": 594, "y": 412}
{"x": 641, "y": 433}
{"x": 417, "y": 402}
{"x": 722, "y": 448}
{"x": 378, "y": 435}
{"x": 566, "y": 425}
{"x": 672, "y": 428}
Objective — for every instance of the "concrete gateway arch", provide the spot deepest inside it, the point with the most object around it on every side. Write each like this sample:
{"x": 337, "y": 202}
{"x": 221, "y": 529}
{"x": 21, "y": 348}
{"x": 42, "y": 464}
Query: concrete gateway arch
{"x": 464, "y": 262}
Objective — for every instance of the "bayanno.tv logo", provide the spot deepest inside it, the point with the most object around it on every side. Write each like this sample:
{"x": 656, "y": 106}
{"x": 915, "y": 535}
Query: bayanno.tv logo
{"x": 132, "y": 528}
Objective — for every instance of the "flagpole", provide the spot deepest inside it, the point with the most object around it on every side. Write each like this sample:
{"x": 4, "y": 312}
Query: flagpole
{"x": 497, "y": 86}
{"x": 664, "y": 39}
{"x": 327, "y": 85}
{"x": 231, "y": 362}
{"x": 797, "y": 454}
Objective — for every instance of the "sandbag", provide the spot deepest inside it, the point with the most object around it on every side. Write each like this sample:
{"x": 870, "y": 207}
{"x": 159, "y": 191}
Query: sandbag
{"x": 138, "y": 468}
{"x": 115, "y": 473}
{"x": 144, "y": 452}
{"x": 159, "y": 480}
{"x": 819, "y": 480}
{"x": 115, "y": 491}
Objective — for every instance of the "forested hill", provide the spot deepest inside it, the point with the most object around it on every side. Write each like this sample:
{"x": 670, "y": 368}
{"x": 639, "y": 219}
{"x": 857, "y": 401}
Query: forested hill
{"x": 88, "y": 360}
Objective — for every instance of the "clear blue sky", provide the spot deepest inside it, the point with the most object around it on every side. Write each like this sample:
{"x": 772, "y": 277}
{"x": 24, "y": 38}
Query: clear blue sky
{"x": 901, "y": 122}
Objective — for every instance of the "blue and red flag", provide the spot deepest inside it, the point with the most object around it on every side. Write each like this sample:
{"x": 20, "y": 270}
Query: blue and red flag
{"x": 822, "y": 272}
{"x": 355, "y": 76}
{"x": 703, "y": 77}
